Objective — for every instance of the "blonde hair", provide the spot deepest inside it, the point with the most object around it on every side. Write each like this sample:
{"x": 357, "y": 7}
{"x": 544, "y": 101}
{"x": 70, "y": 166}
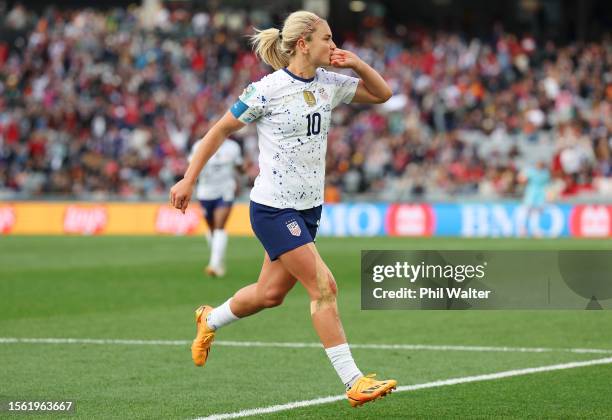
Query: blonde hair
{"x": 274, "y": 47}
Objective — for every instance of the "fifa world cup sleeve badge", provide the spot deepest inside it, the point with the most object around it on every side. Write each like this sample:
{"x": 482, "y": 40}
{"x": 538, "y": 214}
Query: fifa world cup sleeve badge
{"x": 248, "y": 92}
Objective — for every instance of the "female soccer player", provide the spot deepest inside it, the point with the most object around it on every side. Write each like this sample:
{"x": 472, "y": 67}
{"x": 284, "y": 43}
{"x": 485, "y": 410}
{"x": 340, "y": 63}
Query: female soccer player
{"x": 215, "y": 191}
{"x": 291, "y": 108}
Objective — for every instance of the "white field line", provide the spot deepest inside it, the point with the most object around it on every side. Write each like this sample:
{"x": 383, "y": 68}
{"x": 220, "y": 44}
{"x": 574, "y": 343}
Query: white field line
{"x": 434, "y": 384}
{"x": 104, "y": 341}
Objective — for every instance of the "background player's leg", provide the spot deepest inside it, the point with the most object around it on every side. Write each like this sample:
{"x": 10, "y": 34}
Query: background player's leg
{"x": 207, "y": 208}
{"x": 210, "y": 224}
{"x": 270, "y": 290}
{"x": 219, "y": 238}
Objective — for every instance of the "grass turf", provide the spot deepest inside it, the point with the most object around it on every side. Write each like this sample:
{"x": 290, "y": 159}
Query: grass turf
{"x": 147, "y": 287}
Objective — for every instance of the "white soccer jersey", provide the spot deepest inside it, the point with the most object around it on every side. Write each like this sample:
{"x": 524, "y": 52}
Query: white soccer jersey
{"x": 293, "y": 117}
{"x": 218, "y": 178}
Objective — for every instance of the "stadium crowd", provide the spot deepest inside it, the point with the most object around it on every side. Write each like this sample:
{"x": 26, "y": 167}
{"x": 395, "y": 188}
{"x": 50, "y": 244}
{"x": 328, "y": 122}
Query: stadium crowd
{"x": 107, "y": 105}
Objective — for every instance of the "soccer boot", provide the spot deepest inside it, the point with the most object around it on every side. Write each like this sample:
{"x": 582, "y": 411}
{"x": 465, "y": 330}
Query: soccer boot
{"x": 367, "y": 389}
{"x": 204, "y": 336}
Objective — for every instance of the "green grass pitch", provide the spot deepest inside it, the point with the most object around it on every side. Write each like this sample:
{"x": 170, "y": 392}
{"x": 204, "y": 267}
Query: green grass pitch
{"x": 145, "y": 288}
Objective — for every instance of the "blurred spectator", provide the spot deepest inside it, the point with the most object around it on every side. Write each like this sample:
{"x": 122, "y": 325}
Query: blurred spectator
{"x": 107, "y": 104}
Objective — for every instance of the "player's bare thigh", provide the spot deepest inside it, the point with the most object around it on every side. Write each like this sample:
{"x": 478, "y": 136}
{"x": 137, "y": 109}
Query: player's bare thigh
{"x": 274, "y": 282}
{"x": 305, "y": 264}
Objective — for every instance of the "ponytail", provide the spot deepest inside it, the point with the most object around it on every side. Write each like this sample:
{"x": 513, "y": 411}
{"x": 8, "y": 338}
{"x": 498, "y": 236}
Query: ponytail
{"x": 274, "y": 47}
{"x": 268, "y": 46}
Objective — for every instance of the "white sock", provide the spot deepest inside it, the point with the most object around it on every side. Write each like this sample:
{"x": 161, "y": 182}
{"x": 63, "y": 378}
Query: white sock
{"x": 221, "y": 316}
{"x": 342, "y": 360}
{"x": 208, "y": 237}
{"x": 219, "y": 243}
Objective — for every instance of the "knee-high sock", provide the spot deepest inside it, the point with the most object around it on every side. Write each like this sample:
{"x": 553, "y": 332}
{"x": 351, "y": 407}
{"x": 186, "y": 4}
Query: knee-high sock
{"x": 219, "y": 244}
{"x": 341, "y": 358}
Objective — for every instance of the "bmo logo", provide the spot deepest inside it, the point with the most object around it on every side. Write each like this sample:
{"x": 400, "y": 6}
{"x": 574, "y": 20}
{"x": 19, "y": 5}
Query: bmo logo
{"x": 410, "y": 220}
{"x": 591, "y": 221}
{"x": 85, "y": 220}
{"x": 7, "y": 219}
{"x": 171, "y": 221}
{"x": 499, "y": 220}
{"x": 363, "y": 219}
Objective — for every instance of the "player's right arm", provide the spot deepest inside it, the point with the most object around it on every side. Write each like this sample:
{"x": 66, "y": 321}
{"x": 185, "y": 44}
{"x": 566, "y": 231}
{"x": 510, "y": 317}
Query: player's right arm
{"x": 250, "y": 106}
{"x": 180, "y": 193}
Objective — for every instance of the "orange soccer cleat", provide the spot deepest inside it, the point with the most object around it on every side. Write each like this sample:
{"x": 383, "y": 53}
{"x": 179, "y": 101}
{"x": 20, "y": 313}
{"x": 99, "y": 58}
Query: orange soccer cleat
{"x": 204, "y": 336}
{"x": 368, "y": 389}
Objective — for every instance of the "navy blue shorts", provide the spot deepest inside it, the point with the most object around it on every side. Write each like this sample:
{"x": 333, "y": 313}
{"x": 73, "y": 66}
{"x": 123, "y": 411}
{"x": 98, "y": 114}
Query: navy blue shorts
{"x": 209, "y": 207}
{"x": 281, "y": 230}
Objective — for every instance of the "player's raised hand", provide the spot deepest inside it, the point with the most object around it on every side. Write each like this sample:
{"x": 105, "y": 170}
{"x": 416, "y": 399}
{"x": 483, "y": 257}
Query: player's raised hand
{"x": 180, "y": 194}
{"x": 343, "y": 59}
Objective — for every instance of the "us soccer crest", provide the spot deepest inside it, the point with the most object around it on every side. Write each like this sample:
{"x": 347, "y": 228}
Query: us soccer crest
{"x": 310, "y": 98}
{"x": 294, "y": 228}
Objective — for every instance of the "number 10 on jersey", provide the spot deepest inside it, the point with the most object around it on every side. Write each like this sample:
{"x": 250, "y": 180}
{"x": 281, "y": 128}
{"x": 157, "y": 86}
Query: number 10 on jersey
{"x": 314, "y": 123}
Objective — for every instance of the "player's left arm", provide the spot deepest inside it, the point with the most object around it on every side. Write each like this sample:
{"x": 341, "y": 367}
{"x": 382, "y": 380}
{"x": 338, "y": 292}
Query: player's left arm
{"x": 372, "y": 88}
